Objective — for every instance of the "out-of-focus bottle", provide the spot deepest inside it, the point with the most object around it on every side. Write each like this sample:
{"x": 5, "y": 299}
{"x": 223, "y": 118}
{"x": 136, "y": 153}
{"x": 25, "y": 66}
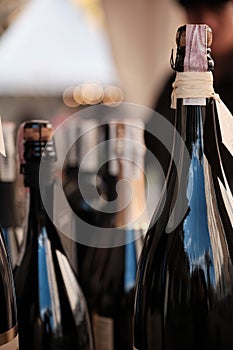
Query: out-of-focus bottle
{"x": 52, "y": 310}
{"x": 111, "y": 271}
{"x": 9, "y": 213}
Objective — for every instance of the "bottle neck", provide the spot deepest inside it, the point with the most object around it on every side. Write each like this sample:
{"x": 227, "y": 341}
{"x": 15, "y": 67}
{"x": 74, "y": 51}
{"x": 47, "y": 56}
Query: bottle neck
{"x": 36, "y": 215}
{"x": 190, "y": 122}
{"x": 186, "y": 180}
{"x": 36, "y": 212}
{"x": 34, "y": 220}
{"x": 37, "y": 223}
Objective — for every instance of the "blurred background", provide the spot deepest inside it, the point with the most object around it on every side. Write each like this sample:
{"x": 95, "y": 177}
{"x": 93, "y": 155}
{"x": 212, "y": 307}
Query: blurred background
{"x": 50, "y": 51}
{"x": 59, "y": 56}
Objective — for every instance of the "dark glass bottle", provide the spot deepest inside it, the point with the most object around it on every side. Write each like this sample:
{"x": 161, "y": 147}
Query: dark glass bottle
{"x": 112, "y": 270}
{"x": 51, "y": 306}
{"x": 184, "y": 295}
{"x": 9, "y": 216}
{"x": 8, "y": 317}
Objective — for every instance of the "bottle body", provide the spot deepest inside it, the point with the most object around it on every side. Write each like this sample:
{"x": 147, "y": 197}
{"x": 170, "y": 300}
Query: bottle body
{"x": 184, "y": 281}
{"x": 51, "y": 306}
{"x": 9, "y": 213}
{"x": 8, "y": 319}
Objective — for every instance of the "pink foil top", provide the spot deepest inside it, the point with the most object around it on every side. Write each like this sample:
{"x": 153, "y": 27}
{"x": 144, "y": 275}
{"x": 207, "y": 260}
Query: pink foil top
{"x": 196, "y": 48}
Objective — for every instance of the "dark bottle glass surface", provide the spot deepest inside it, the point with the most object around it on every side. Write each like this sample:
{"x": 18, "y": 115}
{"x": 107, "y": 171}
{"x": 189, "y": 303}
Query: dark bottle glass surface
{"x": 8, "y": 314}
{"x": 52, "y": 309}
{"x": 184, "y": 295}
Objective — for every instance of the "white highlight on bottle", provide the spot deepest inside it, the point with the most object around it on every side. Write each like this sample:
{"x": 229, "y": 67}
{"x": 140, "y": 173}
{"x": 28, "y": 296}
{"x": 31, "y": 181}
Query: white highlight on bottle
{"x": 2, "y": 144}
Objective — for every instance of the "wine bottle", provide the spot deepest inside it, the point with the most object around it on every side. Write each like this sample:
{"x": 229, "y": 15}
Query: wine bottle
{"x": 52, "y": 310}
{"x": 8, "y": 318}
{"x": 184, "y": 296}
{"x": 9, "y": 216}
{"x": 112, "y": 270}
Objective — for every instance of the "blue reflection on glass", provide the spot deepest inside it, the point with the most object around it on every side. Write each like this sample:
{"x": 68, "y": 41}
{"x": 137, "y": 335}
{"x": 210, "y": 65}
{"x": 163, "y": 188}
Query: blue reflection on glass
{"x": 44, "y": 295}
{"x": 197, "y": 238}
{"x": 130, "y": 261}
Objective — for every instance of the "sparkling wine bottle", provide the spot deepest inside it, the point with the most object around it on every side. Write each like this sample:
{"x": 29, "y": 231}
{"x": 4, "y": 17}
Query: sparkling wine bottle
{"x": 184, "y": 295}
{"x": 111, "y": 270}
{"x": 9, "y": 216}
{"x": 8, "y": 317}
{"x": 52, "y": 309}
